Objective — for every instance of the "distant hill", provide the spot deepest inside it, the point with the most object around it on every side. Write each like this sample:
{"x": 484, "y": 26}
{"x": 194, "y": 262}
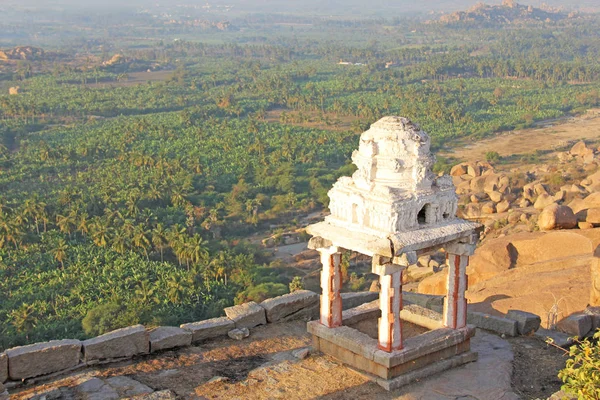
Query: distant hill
{"x": 507, "y": 13}
{"x": 22, "y": 53}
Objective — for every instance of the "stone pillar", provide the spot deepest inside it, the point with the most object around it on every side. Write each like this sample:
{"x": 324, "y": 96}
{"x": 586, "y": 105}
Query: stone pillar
{"x": 455, "y": 304}
{"x": 390, "y": 303}
{"x": 595, "y": 270}
{"x": 331, "y": 284}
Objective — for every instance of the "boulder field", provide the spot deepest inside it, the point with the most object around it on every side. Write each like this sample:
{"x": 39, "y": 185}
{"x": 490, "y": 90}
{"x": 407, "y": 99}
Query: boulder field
{"x": 551, "y": 274}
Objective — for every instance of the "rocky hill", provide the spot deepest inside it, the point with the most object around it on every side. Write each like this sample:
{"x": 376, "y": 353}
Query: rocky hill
{"x": 22, "y": 53}
{"x": 509, "y": 12}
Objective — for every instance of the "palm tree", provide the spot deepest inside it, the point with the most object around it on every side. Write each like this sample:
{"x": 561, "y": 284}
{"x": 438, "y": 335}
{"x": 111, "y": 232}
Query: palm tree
{"x": 140, "y": 239}
{"x": 24, "y": 319}
{"x": 60, "y": 252}
{"x": 159, "y": 239}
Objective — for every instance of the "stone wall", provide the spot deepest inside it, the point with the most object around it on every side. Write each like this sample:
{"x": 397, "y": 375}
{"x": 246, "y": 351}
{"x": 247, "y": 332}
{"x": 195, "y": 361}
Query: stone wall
{"x": 60, "y": 356}
{"x": 57, "y": 357}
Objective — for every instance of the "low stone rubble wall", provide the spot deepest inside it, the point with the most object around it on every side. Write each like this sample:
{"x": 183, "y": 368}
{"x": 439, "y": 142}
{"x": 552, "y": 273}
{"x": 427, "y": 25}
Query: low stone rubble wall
{"x": 50, "y": 358}
{"x": 55, "y": 357}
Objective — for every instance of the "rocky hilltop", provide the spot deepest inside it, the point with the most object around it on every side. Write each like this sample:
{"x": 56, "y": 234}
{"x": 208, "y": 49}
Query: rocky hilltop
{"x": 508, "y": 13}
{"x": 22, "y": 53}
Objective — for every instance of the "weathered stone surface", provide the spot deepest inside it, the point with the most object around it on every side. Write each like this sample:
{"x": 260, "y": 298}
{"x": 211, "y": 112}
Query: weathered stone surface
{"x": 168, "y": 337}
{"x": 96, "y": 389}
{"x": 364, "y": 311}
{"x": 558, "y": 338}
{"x": 527, "y": 323}
{"x": 593, "y": 216}
{"x": 355, "y": 299}
{"x": 3, "y": 367}
{"x": 247, "y": 315}
{"x": 576, "y": 325}
{"x": 492, "y": 323}
{"x": 127, "y": 387}
{"x": 503, "y": 206}
{"x": 488, "y": 208}
{"x": 287, "y": 305}
{"x": 301, "y": 354}
{"x": 432, "y": 302}
{"x": 3, "y": 392}
{"x": 496, "y": 196}
{"x": 239, "y": 334}
{"x": 458, "y": 170}
{"x": 579, "y": 149}
{"x": 473, "y": 169}
{"x": 557, "y": 217}
{"x": 209, "y": 328}
{"x": 543, "y": 201}
{"x": 594, "y": 312}
{"x": 160, "y": 395}
{"x": 43, "y": 358}
{"x": 124, "y": 342}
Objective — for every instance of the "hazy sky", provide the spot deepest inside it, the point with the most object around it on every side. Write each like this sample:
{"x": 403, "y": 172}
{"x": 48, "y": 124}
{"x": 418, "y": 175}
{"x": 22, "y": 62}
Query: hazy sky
{"x": 316, "y": 6}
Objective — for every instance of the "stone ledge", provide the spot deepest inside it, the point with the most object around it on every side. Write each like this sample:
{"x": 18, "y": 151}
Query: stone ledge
{"x": 43, "y": 358}
{"x": 209, "y": 328}
{"x": 426, "y": 343}
{"x": 365, "y": 311}
{"x": 415, "y": 347}
{"x": 527, "y": 323}
{"x": 247, "y": 315}
{"x": 430, "y": 301}
{"x": 492, "y": 323}
{"x": 278, "y": 308}
{"x": 440, "y": 366}
{"x": 168, "y": 337}
{"x": 125, "y": 342}
{"x": 352, "y": 300}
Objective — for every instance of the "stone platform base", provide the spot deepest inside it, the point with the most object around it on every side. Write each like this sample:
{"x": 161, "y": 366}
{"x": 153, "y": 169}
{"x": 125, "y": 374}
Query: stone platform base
{"x": 422, "y": 355}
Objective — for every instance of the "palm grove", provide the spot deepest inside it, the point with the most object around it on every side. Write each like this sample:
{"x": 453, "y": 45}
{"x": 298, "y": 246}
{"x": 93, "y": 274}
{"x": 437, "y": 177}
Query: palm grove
{"x": 133, "y": 203}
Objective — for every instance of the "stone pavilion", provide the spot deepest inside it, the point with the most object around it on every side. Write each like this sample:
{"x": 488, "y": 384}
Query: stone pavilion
{"x": 394, "y": 209}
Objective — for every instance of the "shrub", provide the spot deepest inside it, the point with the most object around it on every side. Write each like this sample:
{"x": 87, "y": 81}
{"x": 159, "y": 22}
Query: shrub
{"x": 261, "y": 292}
{"x": 492, "y": 156}
{"x": 107, "y": 317}
{"x": 296, "y": 284}
{"x": 581, "y": 375}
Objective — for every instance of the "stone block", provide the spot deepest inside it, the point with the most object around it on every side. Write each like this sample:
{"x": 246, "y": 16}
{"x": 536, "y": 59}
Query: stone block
{"x": 120, "y": 343}
{"x": 3, "y": 367}
{"x": 527, "y": 323}
{"x": 364, "y": 311}
{"x": 576, "y": 325}
{"x": 239, "y": 333}
{"x": 559, "y": 338}
{"x": 209, "y": 328}
{"x": 247, "y": 315}
{"x": 433, "y": 302}
{"x": 594, "y": 312}
{"x": 426, "y": 372}
{"x": 43, "y": 358}
{"x": 492, "y": 323}
{"x": 351, "y": 300}
{"x": 283, "y": 307}
{"x": 168, "y": 337}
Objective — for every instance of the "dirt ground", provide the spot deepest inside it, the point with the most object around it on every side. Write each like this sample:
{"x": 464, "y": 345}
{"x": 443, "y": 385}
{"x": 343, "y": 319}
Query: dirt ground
{"x": 550, "y": 136}
{"x": 536, "y": 367}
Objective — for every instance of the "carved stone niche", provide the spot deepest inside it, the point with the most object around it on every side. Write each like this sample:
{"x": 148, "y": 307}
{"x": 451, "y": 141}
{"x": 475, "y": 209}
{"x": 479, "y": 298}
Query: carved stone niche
{"x": 394, "y": 209}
